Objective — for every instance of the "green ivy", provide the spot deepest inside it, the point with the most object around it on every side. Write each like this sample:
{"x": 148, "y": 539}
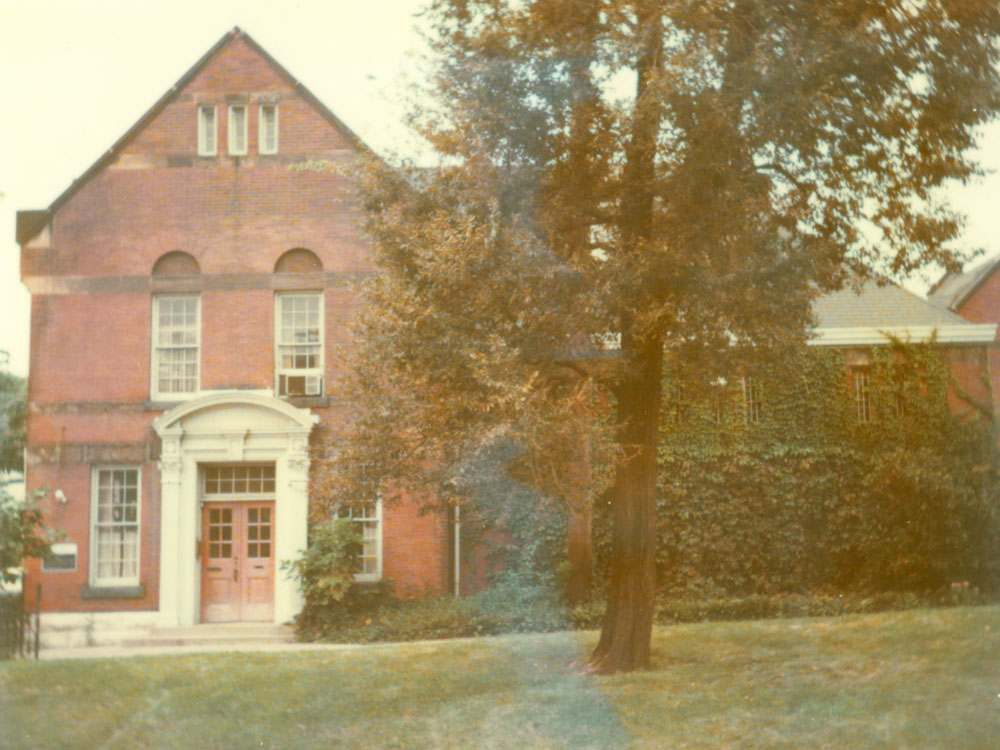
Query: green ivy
{"x": 809, "y": 498}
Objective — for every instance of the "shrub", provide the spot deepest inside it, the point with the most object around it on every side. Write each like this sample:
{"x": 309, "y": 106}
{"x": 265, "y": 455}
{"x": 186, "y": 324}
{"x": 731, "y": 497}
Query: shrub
{"x": 325, "y": 570}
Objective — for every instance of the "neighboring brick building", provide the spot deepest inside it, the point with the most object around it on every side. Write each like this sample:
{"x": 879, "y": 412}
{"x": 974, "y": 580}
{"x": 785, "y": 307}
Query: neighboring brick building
{"x": 188, "y": 293}
{"x": 975, "y": 296}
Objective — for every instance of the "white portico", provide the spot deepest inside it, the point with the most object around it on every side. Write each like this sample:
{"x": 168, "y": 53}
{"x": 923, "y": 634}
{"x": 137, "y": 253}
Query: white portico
{"x": 230, "y": 429}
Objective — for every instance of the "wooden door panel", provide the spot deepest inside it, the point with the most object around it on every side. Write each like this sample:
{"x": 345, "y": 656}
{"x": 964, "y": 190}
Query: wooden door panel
{"x": 220, "y": 573}
{"x": 257, "y": 569}
{"x": 237, "y": 554}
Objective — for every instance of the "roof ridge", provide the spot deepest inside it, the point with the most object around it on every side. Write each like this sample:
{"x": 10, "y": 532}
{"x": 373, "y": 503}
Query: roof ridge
{"x": 233, "y": 34}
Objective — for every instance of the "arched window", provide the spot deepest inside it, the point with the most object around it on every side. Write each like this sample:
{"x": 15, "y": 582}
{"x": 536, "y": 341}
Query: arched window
{"x": 176, "y": 331}
{"x": 298, "y": 260}
{"x": 176, "y": 263}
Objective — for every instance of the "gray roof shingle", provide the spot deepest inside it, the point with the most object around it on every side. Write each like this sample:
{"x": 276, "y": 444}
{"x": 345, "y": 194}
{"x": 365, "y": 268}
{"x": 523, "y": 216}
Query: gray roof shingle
{"x": 888, "y": 306}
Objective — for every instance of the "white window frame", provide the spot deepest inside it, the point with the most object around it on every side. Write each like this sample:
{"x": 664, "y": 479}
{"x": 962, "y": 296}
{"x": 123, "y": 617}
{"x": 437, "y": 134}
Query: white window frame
{"x": 96, "y": 581}
{"x": 155, "y": 348}
{"x": 348, "y": 515}
{"x": 861, "y": 389}
{"x": 233, "y": 150}
{"x": 261, "y": 139}
{"x": 204, "y": 147}
{"x": 311, "y": 372}
{"x": 751, "y": 399}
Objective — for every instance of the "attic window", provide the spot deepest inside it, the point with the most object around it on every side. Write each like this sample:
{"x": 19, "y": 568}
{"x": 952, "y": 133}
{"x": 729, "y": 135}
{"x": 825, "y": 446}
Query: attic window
{"x": 267, "y": 134}
{"x": 237, "y": 129}
{"x": 206, "y": 130}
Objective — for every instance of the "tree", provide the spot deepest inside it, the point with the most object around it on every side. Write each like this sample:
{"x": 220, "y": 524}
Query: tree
{"x": 684, "y": 175}
{"x": 13, "y": 419}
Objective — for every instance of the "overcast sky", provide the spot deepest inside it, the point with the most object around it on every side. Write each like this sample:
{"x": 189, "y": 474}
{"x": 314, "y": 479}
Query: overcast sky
{"x": 74, "y": 76}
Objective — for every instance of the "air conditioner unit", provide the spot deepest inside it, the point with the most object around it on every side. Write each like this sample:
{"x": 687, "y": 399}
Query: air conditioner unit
{"x": 313, "y": 385}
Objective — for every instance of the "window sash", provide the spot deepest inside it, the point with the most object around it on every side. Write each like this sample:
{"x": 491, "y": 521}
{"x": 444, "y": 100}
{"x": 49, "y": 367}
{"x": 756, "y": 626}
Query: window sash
{"x": 176, "y": 334}
{"x": 299, "y": 344}
{"x": 369, "y": 517}
{"x": 115, "y": 523}
{"x": 862, "y": 395}
{"x": 237, "y": 129}
{"x": 751, "y": 400}
{"x": 267, "y": 132}
{"x": 207, "y": 128}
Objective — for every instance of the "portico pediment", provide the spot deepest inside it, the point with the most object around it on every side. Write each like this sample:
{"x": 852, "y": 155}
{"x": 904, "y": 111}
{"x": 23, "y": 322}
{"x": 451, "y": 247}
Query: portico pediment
{"x": 228, "y": 411}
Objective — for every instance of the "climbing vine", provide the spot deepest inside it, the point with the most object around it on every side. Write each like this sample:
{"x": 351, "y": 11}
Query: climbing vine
{"x": 835, "y": 478}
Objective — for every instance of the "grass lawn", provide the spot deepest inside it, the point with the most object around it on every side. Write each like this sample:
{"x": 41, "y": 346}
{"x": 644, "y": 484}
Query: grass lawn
{"x": 916, "y": 679}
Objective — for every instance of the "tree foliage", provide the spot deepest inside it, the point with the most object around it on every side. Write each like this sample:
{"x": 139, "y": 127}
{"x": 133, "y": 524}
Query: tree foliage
{"x": 23, "y": 532}
{"x": 13, "y": 421}
{"x": 686, "y": 175}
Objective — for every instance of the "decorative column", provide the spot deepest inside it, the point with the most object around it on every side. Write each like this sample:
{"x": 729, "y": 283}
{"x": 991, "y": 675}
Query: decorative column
{"x": 292, "y": 521}
{"x": 171, "y": 467}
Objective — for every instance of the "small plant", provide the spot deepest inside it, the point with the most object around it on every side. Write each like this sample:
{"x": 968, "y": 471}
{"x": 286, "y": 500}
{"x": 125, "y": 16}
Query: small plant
{"x": 326, "y": 568}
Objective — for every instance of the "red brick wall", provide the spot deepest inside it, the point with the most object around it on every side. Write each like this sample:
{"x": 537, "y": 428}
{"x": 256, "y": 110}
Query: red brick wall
{"x": 61, "y": 590}
{"x": 983, "y": 306}
{"x": 90, "y": 352}
{"x": 414, "y": 550}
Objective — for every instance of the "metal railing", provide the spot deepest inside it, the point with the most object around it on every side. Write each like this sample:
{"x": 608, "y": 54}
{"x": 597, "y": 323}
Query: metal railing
{"x": 20, "y": 628}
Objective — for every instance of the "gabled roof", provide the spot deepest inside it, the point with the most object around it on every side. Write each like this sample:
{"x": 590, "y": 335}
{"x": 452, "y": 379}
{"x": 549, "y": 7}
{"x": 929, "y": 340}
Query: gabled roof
{"x": 30, "y": 223}
{"x": 875, "y": 306}
{"x": 876, "y": 312}
{"x": 953, "y": 289}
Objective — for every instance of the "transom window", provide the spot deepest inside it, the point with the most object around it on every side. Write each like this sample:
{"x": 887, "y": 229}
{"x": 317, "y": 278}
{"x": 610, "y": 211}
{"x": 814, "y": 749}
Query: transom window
{"x": 206, "y": 130}
{"x": 175, "y": 345}
{"x": 239, "y": 480}
{"x": 237, "y": 129}
{"x": 115, "y": 518}
{"x": 299, "y": 336}
{"x": 267, "y": 133}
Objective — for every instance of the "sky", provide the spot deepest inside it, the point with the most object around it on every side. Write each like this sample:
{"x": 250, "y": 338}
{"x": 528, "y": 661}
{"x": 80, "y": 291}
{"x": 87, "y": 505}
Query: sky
{"x": 75, "y": 75}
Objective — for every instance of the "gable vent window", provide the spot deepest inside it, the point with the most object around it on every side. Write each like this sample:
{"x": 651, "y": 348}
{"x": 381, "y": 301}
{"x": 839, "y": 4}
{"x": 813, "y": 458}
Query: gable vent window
{"x": 237, "y": 129}
{"x": 299, "y": 351}
{"x": 206, "y": 130}
{"x": 268, "y": 132}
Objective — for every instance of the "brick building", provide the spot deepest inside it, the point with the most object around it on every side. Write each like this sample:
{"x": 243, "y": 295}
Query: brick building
{"x": 974, "y": 296}
{"x": 188, "y": 294}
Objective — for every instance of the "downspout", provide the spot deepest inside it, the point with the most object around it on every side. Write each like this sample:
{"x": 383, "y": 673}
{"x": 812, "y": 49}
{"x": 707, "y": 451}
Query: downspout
{"x": 458, "y": 560}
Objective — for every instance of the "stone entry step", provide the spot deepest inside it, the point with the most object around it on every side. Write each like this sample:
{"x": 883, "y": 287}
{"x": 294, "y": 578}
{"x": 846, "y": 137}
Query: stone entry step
{"x": 210, "y": 635}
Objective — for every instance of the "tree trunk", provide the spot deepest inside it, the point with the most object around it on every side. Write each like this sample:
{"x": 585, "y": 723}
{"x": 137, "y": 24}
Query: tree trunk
{"x": 628, "y": 621}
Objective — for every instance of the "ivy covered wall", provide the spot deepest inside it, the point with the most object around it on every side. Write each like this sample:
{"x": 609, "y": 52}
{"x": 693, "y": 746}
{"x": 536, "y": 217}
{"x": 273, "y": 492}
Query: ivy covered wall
{"x": 841, "y": 471}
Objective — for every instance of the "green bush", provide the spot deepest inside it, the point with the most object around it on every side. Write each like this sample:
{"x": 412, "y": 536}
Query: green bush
{"x": 325, "y": 571}
{"x": 509, "y": 606}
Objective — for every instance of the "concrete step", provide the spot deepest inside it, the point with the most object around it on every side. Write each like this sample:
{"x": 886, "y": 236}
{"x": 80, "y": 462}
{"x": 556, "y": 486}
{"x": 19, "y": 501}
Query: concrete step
{"x": 210, "y": 635}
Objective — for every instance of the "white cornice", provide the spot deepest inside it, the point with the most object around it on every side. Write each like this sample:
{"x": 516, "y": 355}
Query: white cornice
{"x": 973, "y": 333}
